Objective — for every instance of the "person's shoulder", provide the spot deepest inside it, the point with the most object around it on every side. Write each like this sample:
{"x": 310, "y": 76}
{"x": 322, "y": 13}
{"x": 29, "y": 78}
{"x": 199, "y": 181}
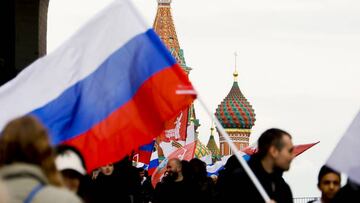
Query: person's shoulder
{"x": 286, "y": 190}
{"x": 160, "y": 185}
{"x": 56, "y": 195}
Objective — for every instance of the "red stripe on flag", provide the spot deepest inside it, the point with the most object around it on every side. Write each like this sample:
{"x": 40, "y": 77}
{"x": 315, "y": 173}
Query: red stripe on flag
{"x": 137, "y": 122}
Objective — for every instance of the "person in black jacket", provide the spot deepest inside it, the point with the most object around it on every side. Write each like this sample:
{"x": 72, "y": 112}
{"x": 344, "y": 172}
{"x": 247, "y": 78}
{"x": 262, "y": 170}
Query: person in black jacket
{"x": 274, "y": 155}
{"x": 202, "y": 185}
{"x": 118, "y": 182}
{"x": 174, "y": 187}
{"x": 146, "y": 188}
{"x": 348, "y": 193}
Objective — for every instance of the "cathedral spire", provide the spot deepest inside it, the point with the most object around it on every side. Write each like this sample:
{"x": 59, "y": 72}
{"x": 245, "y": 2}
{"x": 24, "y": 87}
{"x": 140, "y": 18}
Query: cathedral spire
{"x": 165, "y": 28}
{"x": 212, "y": 146}
{"x": 164, "y": 2}
{"x": 212, "y": 129}
{"x": 235, "y": 74}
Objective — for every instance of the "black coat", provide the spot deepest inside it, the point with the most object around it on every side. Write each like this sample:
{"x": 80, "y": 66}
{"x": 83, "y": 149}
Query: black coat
{"x": 174, "y": 192}
{"x": 123, "y": 185}
{"x": 349, "y": 193}
{"x": 234, "y": 184}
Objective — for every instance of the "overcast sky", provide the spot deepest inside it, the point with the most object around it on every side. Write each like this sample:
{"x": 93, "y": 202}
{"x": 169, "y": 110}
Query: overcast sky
{"x": 298, "y": 64}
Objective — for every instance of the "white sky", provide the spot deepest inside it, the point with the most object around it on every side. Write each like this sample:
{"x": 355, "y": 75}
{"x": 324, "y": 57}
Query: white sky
{"x": 298, "y": 64}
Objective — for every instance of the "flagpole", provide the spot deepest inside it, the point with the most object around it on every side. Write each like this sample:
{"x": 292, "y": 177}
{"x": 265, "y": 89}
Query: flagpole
{"x": 243, "y": 163}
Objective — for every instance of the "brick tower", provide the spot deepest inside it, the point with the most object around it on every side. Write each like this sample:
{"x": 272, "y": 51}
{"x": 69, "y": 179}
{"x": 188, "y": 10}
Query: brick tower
{"x": 165, "y": 28}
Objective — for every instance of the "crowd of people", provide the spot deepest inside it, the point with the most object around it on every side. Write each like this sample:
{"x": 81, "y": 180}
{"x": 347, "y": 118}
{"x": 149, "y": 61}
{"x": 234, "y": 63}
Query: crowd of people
{"x": 31, "y": 170}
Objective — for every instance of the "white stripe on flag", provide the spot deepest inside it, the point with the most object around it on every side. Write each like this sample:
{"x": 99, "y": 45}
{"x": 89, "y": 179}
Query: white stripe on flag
{"x": 74, "y": 60}
{"x": 191, "y": 92}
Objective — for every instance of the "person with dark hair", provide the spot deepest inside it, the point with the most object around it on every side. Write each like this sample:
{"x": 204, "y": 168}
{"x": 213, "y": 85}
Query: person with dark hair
{"x": 274, "y": 155}
{"x": 328, "y": 183}
{"x": 202, "y": 186}
{"x": 173, "y": 187}
{"x": 146, "y": 188}
{"x": 185, "y": 169}
{"x": 117, "y": 182}
{"x": 27, "y": 164}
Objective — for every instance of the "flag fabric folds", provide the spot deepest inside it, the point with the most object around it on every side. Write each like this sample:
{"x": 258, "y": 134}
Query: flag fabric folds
{"x": 154, "y": 162}
{"x": 175, "y": 133}
{"x": 106, "y": 91}
{"x": 144, "y": 152}
{"x": 184, "y": 153}
{"x": 345, "y": 157}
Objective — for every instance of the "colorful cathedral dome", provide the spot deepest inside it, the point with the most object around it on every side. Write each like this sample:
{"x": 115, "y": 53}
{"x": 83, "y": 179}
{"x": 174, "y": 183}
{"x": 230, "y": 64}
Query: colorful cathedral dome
{"x": 235, "y": 111}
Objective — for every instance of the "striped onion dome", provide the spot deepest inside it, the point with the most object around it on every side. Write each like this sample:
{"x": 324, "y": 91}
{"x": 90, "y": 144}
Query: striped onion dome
{"x": 235, "y": 111}
{"x": 201, "y": 150}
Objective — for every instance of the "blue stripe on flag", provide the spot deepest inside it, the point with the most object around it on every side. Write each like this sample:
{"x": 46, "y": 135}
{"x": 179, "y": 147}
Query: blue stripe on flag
{"x": 148, "y": 147}
{"x": 154, "y": 163}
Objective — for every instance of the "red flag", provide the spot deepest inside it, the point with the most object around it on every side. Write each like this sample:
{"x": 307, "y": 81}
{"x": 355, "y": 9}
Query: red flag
{"x": 175, "y": 129}
{"x": 174, "y": 135}
{"x": 184, "y": 153}
{"x": 298, "y": 149}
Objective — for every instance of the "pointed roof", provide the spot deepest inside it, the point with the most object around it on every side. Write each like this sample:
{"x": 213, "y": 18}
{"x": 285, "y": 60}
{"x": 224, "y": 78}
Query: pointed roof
{"x": 235, "y": 111}
{"x": 165, "y": 28}
{"x": 192, "y": 116}
{"x": 201, "y": 150}
{"x": 212, "y": 146}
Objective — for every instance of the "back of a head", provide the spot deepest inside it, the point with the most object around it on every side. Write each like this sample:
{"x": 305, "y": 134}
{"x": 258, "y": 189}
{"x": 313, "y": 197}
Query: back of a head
{"x": 24, "y": 140}
{"x": 271, "y": 137}
{"x": 198, "y": 167}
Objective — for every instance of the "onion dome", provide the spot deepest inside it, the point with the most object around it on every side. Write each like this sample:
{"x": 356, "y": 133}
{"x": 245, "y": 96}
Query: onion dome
{"x": 201, "y": 150}
{"x": 211, "y": 145}
{"x": 235, "y": 111}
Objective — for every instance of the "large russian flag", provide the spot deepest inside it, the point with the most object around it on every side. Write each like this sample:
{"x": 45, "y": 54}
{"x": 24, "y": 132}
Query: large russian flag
{"x": 108, "y": 90}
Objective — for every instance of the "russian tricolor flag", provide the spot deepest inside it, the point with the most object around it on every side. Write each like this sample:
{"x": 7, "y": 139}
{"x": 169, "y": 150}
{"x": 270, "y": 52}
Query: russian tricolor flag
{"x": 154, "y": 162}
{"x": 108, "y": 90}
{"x": 143, "y": 154}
